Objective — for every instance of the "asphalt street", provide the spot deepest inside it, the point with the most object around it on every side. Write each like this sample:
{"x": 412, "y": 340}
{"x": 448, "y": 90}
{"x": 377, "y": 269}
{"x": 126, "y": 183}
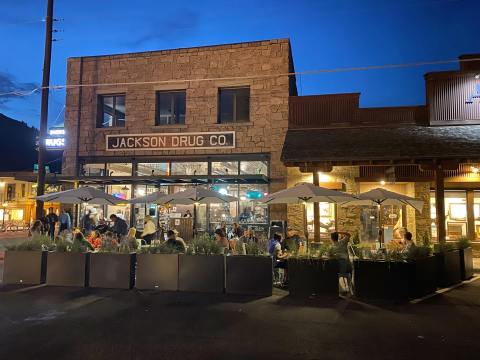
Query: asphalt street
{"x": 68, "y": 323}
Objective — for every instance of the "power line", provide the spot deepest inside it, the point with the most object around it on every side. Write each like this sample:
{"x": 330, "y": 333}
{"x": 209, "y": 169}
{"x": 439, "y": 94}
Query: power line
{"x": 265, "y": 76}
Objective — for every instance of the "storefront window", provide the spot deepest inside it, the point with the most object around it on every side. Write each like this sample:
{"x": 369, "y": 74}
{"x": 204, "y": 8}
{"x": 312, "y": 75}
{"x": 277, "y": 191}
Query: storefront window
{"x": 476, "y": 211}
{"x": 250, "y": 210}
{"x": 119, "y": 169}
{"x": 93, "y": 170}
{"x": 225, "y": 168}
{"x": 224, "y": 211}
{"x": 327, "y": 220}
{"x": 190, "y": 168}
{"x": 253, "y": 168}
{"x": 455, "y": 214}
{"x": 122, "y": 192}
{"x": 152, "y": 169}
{"x": 142, "y": 210}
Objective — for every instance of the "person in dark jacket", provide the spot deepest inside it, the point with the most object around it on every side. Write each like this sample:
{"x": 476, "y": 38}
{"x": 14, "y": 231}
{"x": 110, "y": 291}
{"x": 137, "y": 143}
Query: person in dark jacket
{"x": 52, "y": 219}
{"x": 120, "y": 227}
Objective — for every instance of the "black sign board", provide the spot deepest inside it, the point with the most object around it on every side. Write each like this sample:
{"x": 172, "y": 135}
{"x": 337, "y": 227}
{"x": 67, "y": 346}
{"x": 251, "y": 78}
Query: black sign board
{"x": 171, "y": 141}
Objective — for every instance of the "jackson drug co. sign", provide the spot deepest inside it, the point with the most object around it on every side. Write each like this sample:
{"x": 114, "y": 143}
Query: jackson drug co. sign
{"x": 171, "y": 141}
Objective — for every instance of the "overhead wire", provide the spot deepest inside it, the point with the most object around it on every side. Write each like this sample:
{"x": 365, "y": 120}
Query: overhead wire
{"x": 250, "y": 77}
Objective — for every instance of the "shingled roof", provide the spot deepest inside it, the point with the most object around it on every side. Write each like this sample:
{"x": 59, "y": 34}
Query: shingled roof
{"x": 396, "y": 144}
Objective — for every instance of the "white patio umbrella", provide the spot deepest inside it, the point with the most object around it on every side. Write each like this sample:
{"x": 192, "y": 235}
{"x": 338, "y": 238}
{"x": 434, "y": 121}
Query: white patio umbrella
{"x": 81, "y": 195}
{"x": 306, "y": 193}
{"x": 192, "y": 196}
{"x": 380, "y": 197}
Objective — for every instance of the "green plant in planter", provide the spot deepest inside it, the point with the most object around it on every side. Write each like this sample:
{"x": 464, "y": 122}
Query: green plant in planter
{"x": 162, "y": 248}
{"x": 36, "y": 243}
{"x": 443, "y": 247}
{"x": 355, "y": 238}
{"x": 204, "y": 245}
{"x": 463, "y": 243}
{"x": 327, "y": 251}
{"x": 418, "y": 252}
{"x": 395, "y": 255}
{"x": 425, "y": 239}
{"x": 363, "y": 250}
{"x": 252, "y": 248}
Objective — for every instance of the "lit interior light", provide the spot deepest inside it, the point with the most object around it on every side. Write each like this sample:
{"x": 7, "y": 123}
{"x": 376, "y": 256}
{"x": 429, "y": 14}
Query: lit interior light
{"x": 243, "y": 198}
{"x": 477, "y": 76}
{"x": 323, "y": 177}
{"x": 382, "y": 182}
{"x": 474, "y": 169}
{"x": 140, "y": 192}
{"x": 196, "y": 203}
{"x": 223, "y": 191}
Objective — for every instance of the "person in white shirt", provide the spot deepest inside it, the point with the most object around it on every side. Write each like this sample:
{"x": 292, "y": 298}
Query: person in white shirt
{"x": 149, "y": 230}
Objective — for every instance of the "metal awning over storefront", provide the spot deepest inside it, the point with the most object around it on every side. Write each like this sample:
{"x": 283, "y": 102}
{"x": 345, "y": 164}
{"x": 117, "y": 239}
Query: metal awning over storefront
{"x": 150, "y": 180}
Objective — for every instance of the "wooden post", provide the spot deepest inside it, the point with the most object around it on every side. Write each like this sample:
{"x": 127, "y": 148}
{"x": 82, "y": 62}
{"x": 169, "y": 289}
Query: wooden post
{"x": 470, "y": 215}
{"x": 440, "y": 204}
{"x": 316, "y": 210}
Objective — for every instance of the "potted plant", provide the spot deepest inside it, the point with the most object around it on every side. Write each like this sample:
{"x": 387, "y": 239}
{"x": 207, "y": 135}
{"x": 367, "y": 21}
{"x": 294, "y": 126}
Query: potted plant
{"x": 157, "y": 268}
{"x": 314, "y": 274}
{"x": 112, "y": 265}
{"x": 26, "y": 263}
{"x": 466, "y": 258}
{"x": 393, "y": 274}
{"x": 448, "y": 264}
{"x": 68, "y": 262}
{"x": 249, "y": 274}
{"x": 202, "y": 268}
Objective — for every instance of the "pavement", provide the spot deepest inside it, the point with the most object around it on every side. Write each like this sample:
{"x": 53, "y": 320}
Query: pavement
{"x": 82, "y": 323}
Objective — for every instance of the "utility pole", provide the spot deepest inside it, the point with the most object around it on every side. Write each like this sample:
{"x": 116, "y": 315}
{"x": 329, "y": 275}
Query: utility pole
{"x": 44, "y": 107}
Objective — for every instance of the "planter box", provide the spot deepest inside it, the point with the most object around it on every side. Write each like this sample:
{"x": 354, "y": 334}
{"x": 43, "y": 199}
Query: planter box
{"x": 395, "y": 281}
{"x": 25, "y": 267}
{"x": 110, "y": 270}
{"x": 313, "y": 276}
{"x": 248, "y": 275}
{"x": 201, "y": 273}
{"x": 466, "y": 263}
{"x": 157, "y": 271}
{"x": 67, "y": 269}
{"x": 448, "y": 268}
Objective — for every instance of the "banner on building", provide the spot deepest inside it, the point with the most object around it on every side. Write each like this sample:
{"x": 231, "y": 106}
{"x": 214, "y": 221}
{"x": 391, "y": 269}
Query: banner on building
{"x": 171, "y": 141}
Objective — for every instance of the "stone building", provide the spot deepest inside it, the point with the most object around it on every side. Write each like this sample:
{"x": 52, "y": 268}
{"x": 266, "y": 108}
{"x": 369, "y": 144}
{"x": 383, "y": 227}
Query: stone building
{"x": 163, "y": 120}
{"x": 430, "y": 152}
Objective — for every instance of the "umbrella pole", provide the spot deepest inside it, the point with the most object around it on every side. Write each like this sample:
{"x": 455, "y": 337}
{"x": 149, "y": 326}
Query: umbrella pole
{"x": 305, "y": 225}
{"x": 380, "y": 226}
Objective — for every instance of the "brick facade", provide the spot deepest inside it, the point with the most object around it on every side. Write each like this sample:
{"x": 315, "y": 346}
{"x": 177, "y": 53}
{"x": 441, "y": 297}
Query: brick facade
{"x": 169, "y": 70}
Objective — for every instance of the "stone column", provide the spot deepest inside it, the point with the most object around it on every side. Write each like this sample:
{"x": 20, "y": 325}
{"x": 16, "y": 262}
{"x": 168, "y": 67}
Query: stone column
{"x": 440, "y": 203}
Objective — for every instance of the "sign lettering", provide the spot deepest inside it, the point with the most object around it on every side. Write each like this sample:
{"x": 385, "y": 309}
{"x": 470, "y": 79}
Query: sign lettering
{"x": 171, "y": 141}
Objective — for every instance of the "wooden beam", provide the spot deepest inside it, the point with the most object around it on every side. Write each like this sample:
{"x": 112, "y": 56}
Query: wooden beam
{"x": 470, "y": 215}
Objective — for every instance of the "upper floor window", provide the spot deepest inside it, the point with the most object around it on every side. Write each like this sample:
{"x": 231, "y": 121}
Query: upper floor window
{"x": 234, "y": 105}
{"x": 111, "y": 111}
{"x": 171, "y": 107}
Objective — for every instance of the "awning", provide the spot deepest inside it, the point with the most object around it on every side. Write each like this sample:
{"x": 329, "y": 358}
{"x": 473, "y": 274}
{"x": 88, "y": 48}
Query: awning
{"x": 149, "y": 180}
{"x": 366, "y": 145}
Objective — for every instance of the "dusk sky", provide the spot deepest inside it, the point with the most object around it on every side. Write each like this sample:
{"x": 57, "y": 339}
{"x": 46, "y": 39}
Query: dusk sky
{"x": 325, "y": 34}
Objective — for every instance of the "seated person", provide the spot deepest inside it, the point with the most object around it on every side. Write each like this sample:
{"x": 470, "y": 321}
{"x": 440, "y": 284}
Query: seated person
{"x": 221, "y": 238}
{"x": 249, "y": 236}
{"x": 408, "y": 239}
{"x": 279, "y": 257}
{"x": 102, "y": 227}
{"x": 174, "y": 242}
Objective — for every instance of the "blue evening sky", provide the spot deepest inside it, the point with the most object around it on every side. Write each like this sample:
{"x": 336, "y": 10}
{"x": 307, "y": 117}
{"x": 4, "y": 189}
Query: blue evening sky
{"x": 325, "y": 34}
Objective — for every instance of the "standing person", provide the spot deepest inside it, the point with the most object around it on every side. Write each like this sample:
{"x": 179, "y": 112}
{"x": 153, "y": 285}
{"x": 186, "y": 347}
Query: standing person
{"x": 87, "y": 223}
{"x": 341, "y": 250}
{"x": 52, "y": 219}
{"x": 221, "y": 238}
{"x": 120, "y": 227}
{"x": 149, "y": 230}
{"x": 65, "y": 221}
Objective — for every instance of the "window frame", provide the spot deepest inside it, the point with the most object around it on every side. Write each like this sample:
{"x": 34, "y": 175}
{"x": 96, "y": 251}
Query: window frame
{"x": 158, "y": 93}
{"x": 100, "y": 112}
{"x": 234, "y": 110}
